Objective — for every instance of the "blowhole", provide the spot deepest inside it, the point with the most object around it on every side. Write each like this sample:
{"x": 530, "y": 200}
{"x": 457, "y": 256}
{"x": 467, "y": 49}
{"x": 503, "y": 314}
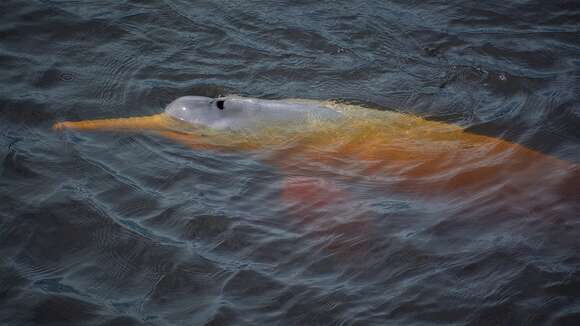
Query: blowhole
{"x": 220, "y": 104}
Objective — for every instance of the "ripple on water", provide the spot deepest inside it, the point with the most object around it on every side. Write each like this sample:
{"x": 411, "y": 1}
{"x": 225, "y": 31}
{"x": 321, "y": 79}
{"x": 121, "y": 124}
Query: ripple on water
{"x": 109, "y": 229}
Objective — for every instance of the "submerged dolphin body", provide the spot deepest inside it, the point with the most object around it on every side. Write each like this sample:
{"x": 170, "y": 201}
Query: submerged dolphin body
{"x": 306, "y": 139}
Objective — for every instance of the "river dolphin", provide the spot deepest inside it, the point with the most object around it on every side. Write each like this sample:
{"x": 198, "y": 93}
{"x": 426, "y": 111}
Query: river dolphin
{"x": 314, "y": 142}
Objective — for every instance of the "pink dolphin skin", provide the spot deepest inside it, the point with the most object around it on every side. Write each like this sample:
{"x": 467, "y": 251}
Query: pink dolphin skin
{"x": 319, "y": 145}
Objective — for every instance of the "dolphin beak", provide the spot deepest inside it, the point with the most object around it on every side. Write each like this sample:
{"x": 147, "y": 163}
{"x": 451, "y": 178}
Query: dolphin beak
{"x": 154, "y": 122}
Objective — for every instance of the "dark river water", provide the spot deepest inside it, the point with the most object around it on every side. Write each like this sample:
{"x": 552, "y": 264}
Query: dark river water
{"x": 135, "y": 229}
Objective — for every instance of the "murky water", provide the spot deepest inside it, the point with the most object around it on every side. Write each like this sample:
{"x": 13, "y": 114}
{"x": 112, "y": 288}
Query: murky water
{"x": 137, "y": 229}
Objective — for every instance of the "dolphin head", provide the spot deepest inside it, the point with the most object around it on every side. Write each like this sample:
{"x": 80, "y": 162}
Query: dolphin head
{"x": 194, "y": 110}
{"x": 243, "y": 113}
{"x": 202, "y": 111}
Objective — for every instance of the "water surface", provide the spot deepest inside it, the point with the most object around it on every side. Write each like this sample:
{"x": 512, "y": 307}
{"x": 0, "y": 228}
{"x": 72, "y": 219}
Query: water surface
{"x": 134, "y": 229}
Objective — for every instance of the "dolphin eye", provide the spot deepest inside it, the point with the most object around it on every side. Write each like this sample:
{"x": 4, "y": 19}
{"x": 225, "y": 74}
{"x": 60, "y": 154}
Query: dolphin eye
{"x": 220, "y": 104}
